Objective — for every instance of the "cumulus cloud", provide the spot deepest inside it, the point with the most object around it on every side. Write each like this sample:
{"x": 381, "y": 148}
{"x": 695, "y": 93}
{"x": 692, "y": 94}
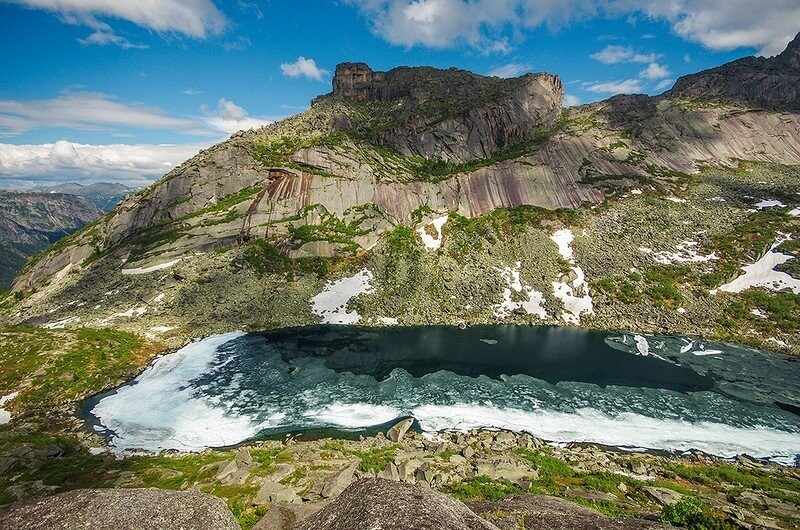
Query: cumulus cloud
{"x": 231, "y": 118}
{"x": 655, "y": 71}
{"x": 665, "y": 84}
{"x": 614, "y": 54}
{"x": 197, "y": 19}
{"x": 510, "y": 70}
{"x": 63, "y": 161}
{"x": 627, "y": 86}
{"x": 717, "y": 24}
{"x": 89, "y": 111}
{"x": 571, "y": 101}
{"x": 303, "y": 67}
{"x": 726, "y": 24}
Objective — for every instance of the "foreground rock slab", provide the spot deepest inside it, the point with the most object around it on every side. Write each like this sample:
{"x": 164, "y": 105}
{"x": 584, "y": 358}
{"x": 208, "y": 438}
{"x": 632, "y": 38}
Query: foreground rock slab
{"x": 542, "y": 512}
{"x": 117, "y": 509}
{"x": 379, "y": 503}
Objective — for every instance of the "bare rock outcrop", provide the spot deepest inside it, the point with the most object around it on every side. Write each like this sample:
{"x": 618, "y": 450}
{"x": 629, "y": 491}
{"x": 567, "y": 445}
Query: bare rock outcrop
{"x": 450, "y": 114}
{"x": 115, "y": 509}
{"x": 379, "y": 503}
{"x": 542, "y": 512}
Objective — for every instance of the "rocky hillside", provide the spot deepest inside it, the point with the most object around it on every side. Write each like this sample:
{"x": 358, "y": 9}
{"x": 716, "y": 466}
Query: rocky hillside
{"x": 772, "y": 83}
{"x": 427, "y": 196}
{"x": 31, "y": 222}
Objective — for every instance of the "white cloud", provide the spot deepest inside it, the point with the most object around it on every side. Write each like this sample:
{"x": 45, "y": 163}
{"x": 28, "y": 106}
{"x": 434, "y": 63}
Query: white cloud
{"x": 510, "y": 70}
{"x": 98, "y": 112}
{"x": 655, "y": 71}
{"x": 191, "y": 92}
{"x": 717, "y": 24}
{"x": 63, "y": 161}
{"x": 571, "y": 101}
{"x": 89, "y": 111}
{"x": 104, "y": 37}
{"x": 303, "y": 67}
{"x": 627, "y": 86}
{"x": 614, "y": 54}
{"x": 231, "y": 118}
{"x": 193, "y": 18}
{"x": 239, "y": 45}
{"x": 727, "y": 24}
{"x": 665, "y": 84}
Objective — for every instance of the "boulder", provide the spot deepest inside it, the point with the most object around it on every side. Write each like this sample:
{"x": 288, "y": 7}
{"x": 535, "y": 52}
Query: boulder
{"x": 117, "y": 509}
{"x": 272, "y": 492}
{"x": 541, "y": 512}
{"x": 378, "y": 503}
{"x": 399, "y": 430}
{"x": 283, "y": 516}
{"x": 662, "y": 496}
{"x": 335, "y": 484}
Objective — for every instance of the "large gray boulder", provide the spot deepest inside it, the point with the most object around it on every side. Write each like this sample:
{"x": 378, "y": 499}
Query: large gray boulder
{"x": 120, "y": 509}
{"x": 377, "y": 503}
{"x": 541, "y": 512}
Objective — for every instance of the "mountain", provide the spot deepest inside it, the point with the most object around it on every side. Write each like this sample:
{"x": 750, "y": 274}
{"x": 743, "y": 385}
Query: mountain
{"x": 30, "y": 222}
{"x": 420, "y": 196}
{"x": 772, "y": 83}
{"x": 105, "y": 195}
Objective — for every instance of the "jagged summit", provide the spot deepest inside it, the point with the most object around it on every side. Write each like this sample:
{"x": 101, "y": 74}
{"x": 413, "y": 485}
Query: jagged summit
{"x": 772, "y": 83}
{"x": 451, "y": 114}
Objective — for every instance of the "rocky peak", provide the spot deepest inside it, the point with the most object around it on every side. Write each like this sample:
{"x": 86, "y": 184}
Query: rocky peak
{"x": 451, "y": 114}
{"x": 772, "y": 83}
{"x": 790, "y": 58}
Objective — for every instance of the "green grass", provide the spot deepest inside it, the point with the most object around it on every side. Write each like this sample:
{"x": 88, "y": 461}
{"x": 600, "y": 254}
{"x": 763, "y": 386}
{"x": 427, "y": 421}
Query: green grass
{"x": 481, "y": 488}
{"x": 376, "y": 459}
{"x": 663, "y": 282}
{"x": 692, "y": 513}
{"x": 69, "y": 364}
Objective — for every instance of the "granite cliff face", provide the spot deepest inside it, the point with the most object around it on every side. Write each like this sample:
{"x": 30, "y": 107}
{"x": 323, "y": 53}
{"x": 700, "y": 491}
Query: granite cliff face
{"x": 450, "y": 114}
{"x": 772, "y": 83}
{"x": 433, "y": 181}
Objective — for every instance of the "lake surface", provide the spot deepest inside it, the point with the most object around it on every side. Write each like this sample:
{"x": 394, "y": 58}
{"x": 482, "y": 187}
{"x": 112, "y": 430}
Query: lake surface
{"x": 561, "y": 384}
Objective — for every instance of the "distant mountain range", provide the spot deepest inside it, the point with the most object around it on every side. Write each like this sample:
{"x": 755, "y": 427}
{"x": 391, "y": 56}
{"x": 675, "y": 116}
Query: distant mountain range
{"x": 105, "y": 195}
{"x": 32, "y": 221}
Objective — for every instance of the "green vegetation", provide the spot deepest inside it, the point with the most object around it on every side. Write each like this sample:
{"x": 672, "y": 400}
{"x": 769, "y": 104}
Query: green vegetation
{"x": 782, "y": 311}
{"x": 376, "y": 459}
{"x": 694, "y": 514}
{"x": 264, "y": 258}
{"x": 481, "y": 488}
{"x": 663, "y": 283}
{"x": 55, "y": 367}
{"x": 623, "y": 288}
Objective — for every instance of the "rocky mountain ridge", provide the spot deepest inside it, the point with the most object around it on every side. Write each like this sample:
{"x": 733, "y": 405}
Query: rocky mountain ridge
{"x": 772, "y": 83}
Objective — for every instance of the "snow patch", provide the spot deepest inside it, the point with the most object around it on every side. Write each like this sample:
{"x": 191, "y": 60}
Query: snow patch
{"x": 155, "y": 331}
{"x": 532, "y": 305}
{"x": 676, "y": 199}
{"x": 331, "y": 303}
{"x": 574, "y": 295}
{"x": 769, "y": 203}
{"x": 762, "y": 273}
{"x": 795, "y": 212}
{"x": 5, "y": 416}
{"x": 430, "y": 242}
{"x": 61, "y": 324}
{"x": 686, "y": 253}
{"x": 388, "y": 321}
{"x": 154, "y": 268}
{"x": 778, "y": 342}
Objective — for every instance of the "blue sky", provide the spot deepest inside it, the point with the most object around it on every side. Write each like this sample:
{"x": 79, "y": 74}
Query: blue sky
{"x": 125, "y": 89}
